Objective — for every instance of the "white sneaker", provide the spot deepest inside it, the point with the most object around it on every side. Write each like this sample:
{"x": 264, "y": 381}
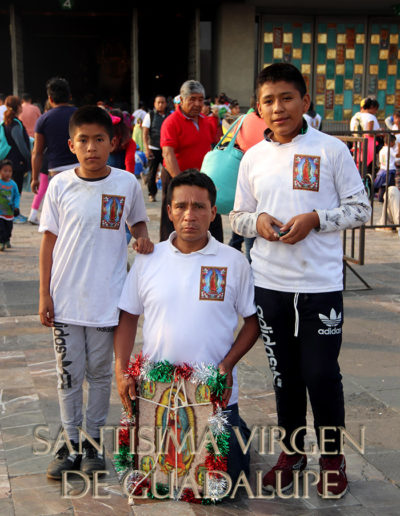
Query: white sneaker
{"x": 33, "y": 220}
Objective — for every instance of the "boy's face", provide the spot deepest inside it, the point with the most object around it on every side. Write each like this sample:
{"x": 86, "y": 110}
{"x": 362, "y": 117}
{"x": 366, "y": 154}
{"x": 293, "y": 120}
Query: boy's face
{"x": 92, "y": 145}
{"x": 6, "y": 173}
{"x": 281, "y": 107}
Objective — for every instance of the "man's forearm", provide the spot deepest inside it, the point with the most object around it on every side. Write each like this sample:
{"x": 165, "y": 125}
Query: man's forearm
{"x": 139, "y": 230}
{"x": 146, "y": 139}
{"x": 244, "y": 223}
{"x": 245, "y": 340}
{"x": 352, "y": 212}
{"x": 171, "y": 163}
{"x": 124, "y": 338}
{"x": 36, "y": 162}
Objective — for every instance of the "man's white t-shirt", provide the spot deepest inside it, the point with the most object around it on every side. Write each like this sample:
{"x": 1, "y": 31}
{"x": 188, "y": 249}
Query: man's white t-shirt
{"x": 147, "y": 123}
{"x": 90, "y": 254}
{"x": 190, "y": 302}
{"x": 274, "y": 179}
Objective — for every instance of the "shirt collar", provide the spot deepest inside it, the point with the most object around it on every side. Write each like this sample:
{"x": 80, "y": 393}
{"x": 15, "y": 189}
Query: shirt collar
{"x": 268, "y": 133}
{"x": 182, "y": 114}
{"x": 209, "y": 248}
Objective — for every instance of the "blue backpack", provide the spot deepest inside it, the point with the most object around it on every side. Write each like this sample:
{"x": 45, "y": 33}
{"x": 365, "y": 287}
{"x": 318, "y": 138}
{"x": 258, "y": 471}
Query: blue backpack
{"x": 4, "y": 146}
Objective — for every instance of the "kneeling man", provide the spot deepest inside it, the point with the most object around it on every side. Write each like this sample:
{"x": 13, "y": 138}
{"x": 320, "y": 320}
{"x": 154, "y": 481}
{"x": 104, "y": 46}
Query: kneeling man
{"x": 190, "y": 290}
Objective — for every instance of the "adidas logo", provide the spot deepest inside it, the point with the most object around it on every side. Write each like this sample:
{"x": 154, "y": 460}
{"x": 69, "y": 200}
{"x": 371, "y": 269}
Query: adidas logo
{"x": 331, "y": 322}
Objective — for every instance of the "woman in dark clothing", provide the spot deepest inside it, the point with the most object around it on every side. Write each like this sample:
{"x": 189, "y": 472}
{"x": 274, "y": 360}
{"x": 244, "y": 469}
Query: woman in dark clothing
{"x": 17, "y": 139}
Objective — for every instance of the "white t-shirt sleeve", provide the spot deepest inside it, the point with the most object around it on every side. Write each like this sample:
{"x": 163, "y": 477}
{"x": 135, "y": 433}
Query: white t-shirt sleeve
{"x": 146, "y": 121}
{"x": 245, "y": 305}
{"x": 243, "y": 218}
{"x": 130, "y": 298}
{"x": 346, "y": 175}
{"x": 138, "y": 209}
{"x": 49, "y": 218}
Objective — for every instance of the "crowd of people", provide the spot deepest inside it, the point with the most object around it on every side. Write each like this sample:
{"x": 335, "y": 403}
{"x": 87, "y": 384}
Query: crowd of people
{"x": 297, "y": 189}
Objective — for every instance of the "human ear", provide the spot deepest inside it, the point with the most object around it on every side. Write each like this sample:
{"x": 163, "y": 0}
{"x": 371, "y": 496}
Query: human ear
{"x": 71, "y": 146}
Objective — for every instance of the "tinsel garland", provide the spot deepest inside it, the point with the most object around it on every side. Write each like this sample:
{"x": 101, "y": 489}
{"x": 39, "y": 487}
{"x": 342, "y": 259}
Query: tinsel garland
{"x": 165, "y": 372}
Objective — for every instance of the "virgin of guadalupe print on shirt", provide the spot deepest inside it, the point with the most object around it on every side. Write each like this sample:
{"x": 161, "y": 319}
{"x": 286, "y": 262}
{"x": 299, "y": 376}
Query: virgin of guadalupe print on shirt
{"x": 306, "y": 172}
{"x": 213, "y": 283}
{"x": 112, "y": 207}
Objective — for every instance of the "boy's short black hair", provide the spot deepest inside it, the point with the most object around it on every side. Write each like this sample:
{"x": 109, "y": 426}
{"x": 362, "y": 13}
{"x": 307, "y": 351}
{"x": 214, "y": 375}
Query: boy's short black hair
{"x": 192, "y": 177}
{"x": 5, "y": 162}
{"x": 282, "y": 72}
{"x": 58, "y": 89}
{"x": 91, "y": 115}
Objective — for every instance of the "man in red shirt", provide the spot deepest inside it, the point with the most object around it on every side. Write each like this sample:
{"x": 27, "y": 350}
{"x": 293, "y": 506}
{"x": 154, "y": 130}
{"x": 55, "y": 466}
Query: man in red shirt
{"x": 186, "y": 136}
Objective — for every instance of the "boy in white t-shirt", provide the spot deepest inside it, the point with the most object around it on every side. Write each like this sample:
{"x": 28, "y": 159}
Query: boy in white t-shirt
{"x": 296, "y": 190}
{"x": 83, "y": 259}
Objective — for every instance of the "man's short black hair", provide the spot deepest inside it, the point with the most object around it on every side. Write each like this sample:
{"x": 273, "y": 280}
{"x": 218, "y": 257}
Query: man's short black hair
{"x": 58, "y": 89}
{"x": 26, "y": 96}
{"x": 5, "y": 162}
{"x": 192, "y": 177}
{"x": 282, "y": 72}
{"x": 91, "y": 115}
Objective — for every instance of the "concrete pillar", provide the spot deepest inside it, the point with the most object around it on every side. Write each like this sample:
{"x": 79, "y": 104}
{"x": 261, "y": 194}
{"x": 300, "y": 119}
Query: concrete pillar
{"x": 17, "y": 63}
{"x": 235, "y": 51}
{"x": 194, "y": 47}
{"x": 134, "y": 61}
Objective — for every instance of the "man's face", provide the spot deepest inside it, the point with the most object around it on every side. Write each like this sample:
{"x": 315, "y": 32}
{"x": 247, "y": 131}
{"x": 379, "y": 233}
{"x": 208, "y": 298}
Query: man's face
{"x": 191, "y": 214}
{"x": 160, "y": 104}
{"x": 281, "y": 107}
{"x": 92, "y": 146}
{"x": 396, "y": 120}
{"x": 6, "y": 173}
{"x": 192, "y": 105}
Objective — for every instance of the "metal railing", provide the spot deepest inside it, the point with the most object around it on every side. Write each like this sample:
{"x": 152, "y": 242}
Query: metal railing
{"x": 360, "y": 145}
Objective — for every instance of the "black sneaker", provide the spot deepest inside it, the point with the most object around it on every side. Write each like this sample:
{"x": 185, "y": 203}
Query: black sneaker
{"x": 64, "y": 461}
{"x": 92, "y": 460}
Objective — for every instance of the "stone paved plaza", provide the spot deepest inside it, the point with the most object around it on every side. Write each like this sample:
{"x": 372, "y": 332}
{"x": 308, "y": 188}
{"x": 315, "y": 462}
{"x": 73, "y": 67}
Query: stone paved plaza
{"x": 370, "y": 363}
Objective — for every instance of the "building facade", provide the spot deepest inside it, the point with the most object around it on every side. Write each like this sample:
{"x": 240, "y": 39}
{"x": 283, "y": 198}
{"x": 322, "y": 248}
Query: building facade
{"x": 125, "y": 52}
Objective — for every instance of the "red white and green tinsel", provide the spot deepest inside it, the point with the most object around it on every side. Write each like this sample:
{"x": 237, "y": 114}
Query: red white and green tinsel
{"x": 205, "y": 374}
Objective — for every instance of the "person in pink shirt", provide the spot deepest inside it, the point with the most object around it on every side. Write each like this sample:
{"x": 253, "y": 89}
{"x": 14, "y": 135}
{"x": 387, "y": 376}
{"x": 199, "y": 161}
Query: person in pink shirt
{"x": 29, "y": 115}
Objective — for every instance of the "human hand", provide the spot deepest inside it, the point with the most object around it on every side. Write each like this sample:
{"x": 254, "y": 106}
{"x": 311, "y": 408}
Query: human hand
{"x": 16, "y": 212}
{"x": 46, "y": 310}
{"x": 265, "y": 228}
{"x": 143, "y": 245}
{"x": 298, "y": 227}
{"x": 35, "y": 185}
{"x": 226, "y": 369}
{"x": 126, "y": 389}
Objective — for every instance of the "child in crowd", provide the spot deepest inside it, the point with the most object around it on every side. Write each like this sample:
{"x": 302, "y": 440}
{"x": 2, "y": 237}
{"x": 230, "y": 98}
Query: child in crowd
{"x": 296, "y": 190}
{"x": 9, "y": 203}
{"x": 386, "y": 154}
{"x": 83, "y": 259}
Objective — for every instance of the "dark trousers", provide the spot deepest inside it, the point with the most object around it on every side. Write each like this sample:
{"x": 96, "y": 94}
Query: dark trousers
{"x": 5, "y": 230}
{"x": 306, "y": 362}
{"x": 237, "y": 461}
{"x": 166, "y": 226}
{"x": 152, "y": 174}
